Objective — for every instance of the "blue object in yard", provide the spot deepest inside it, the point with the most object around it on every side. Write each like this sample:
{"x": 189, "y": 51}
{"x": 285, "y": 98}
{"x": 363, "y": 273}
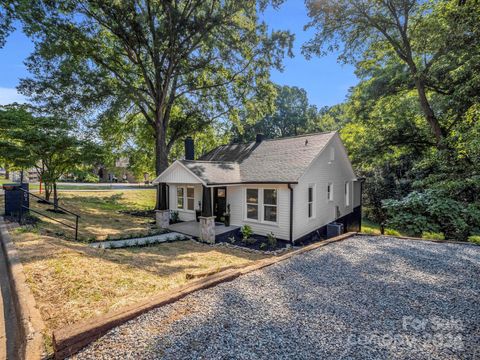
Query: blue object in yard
{"x": 334, "y": 229}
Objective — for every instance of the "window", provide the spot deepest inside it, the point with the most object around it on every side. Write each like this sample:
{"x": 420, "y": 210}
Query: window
{"x": 310, "y": 201}
{"x": 347, "y": 194}
{"x": 270, "y": 205}
{"x": 179, "y": 198}
{"x": 190, "y": 198}
{"x": 252, "y": 204}
{"x": 330, "y": 192}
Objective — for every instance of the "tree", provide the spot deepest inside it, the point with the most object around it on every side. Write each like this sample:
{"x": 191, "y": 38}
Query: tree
{"x": 292, "y": 116}
{"x": 44, "y": 142}
{"x": 6, "y": 17}
{"x": 412, "y": 39}
{"x": 200, "y": 60}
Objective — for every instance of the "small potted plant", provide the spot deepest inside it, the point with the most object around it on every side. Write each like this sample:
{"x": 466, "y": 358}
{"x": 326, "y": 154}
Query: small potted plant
{"x": 198, "y": 212}
{"x": 226, "y": 216}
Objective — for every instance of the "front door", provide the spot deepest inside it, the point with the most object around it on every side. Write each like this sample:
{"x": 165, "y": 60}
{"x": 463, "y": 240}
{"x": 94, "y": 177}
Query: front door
{"x": 219, "y": 202}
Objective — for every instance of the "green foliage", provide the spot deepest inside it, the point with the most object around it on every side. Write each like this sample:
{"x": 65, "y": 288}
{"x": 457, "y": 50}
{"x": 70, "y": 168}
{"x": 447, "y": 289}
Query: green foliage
{"x": 174, "y": 216}
{"x": 246, "y": 231}
{"x": 48, "y": 143}
{"x": 474, "y": 239}
{"x": 272, "y": 240}
{"x": 156, "y": 69}
{"x": 433, "y": 211}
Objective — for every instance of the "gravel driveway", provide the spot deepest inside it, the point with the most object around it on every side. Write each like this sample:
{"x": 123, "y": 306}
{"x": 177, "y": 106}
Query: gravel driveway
{"x": 361, "y": 298}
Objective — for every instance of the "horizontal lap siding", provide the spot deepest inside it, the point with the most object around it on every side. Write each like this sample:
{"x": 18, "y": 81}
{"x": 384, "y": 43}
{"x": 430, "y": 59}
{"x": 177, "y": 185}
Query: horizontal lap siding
{"x": 320, "y": 174}
{"x": 236, "y": 199}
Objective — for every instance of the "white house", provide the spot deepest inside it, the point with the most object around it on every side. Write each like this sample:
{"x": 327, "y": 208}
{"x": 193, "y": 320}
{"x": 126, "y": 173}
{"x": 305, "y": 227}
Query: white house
{"x": 291, "y": 187}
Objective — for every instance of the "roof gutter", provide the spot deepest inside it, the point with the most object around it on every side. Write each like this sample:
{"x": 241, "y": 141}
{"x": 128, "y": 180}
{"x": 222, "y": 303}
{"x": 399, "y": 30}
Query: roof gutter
{"x": 253, "y": 183}
{"x": 291, "y": 212}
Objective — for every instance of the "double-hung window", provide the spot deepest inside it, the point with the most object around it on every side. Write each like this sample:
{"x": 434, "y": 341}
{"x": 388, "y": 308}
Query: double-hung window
{"x": 311, "y": 194}
{"x": 252, "y": 204}
{"x": 330, "y": 192}
{"x": 180, "y": 198}
{"x": 186, "y": 198}
{"x": 270, "y": 205}
{"x": 190, "y": 198}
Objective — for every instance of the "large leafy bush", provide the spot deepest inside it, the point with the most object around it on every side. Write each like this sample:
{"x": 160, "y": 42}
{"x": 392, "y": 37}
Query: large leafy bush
{"x": 433, "y": 211}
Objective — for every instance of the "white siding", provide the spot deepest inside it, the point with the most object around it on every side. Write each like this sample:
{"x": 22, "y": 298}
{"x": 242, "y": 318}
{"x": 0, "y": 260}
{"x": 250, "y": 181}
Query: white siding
{"x": 184, "y": 215}
{"x": 321, "y": 172}
{"x": 176, "y": 173}
{"x": 236, "y": 199}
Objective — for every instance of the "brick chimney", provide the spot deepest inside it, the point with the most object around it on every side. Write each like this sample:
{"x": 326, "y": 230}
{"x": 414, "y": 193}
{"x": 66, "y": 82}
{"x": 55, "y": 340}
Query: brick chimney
{"x": 189, "y": 148}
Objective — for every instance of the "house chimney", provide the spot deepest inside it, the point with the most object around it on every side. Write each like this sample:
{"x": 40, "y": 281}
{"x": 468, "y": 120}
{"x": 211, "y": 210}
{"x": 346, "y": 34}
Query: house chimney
{"x": 189, "y": 148}
{"x": 259, "y": 138}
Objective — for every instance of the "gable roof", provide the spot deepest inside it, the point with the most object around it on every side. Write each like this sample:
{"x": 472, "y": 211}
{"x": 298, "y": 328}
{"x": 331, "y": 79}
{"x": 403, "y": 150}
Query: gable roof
{"x": 282, "y": 160}
{"x": 214, "y": 172}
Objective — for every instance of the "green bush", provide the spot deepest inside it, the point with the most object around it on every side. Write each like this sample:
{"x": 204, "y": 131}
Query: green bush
{"x": 272, "y": 240}
{"x": 433, "y": 236}
{"x": 432, "y": 211}
{"x": 475, "y": 239}
{"x": 246, "y": 231}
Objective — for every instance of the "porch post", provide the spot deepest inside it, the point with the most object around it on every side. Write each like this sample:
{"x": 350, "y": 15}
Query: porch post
{"x": 162, "y": 214}
{"x": 206, "y": 202}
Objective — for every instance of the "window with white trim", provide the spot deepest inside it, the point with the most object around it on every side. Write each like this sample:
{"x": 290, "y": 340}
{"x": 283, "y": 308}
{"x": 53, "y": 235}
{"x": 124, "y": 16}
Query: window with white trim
{"x": 270, "y": 205}
{"x": 347, "y": 193}
{"x": 330, "y": 192}
{"x": 252, "y": 204}
{"x": 180, "y": 198}
{"x": 190, "y": 198}
{"x": 310, "y": 201}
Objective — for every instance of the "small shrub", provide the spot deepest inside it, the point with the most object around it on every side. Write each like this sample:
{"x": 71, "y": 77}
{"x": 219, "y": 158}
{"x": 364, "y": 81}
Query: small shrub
{"x": 433, "y": 235}
{"x": 272, "y": 240}
{"x": 231, "y": 239}
{"x": 263, "y": 246}
{"x": 475, "y": 239}
{"x": 174, "y": 216}
{"x": 392, "y": 232}
{"x": 246, "y": 231}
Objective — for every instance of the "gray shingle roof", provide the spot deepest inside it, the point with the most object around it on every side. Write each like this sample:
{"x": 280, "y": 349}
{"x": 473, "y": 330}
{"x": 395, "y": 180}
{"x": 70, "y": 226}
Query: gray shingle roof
{"x": 276, "y": 160}
{"x": 214, "y": 171}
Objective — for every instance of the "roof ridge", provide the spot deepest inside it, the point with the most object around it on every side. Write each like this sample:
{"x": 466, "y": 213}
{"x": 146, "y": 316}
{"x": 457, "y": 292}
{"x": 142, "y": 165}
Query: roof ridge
{"x": 210, "y": 161}
{"x": 277, "y": 139}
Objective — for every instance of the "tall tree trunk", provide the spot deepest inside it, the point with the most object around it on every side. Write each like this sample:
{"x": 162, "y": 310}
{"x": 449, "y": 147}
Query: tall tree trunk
{"x": 55, "y": 196}
{"x": 161, "y": 153}
{"x": 7, "y": 174}
{"x": 428, "y": 112}
{"x": 48, "y": 191}
{"x": 161, "y": 156}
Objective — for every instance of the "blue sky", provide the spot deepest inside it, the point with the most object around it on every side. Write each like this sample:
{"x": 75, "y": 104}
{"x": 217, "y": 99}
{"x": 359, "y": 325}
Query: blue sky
{"x": 325, "y": 81}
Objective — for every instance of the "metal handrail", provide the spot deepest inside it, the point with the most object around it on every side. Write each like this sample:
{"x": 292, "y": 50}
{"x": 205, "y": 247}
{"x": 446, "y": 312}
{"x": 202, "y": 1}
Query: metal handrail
{"x": 51, "y": 218}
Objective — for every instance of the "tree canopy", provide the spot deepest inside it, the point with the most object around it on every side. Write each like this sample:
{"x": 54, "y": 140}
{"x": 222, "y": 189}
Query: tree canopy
{"x": 179, "y": 65}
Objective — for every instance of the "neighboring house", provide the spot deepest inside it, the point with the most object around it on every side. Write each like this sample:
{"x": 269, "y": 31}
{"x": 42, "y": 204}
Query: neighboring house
{"x": 291, "y": 187}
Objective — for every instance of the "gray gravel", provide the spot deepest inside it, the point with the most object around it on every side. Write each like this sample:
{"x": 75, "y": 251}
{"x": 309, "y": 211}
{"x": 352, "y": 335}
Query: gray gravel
{"x": 361, "y": 298}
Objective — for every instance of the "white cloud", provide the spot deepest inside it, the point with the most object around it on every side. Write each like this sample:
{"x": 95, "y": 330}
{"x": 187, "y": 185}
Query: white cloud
{"x": 10, "y": 95}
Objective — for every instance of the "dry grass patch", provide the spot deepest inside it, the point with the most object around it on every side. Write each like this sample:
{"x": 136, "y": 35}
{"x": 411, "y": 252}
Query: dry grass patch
{"x": 100, "y": 213}
{"x": 72, "y": 281}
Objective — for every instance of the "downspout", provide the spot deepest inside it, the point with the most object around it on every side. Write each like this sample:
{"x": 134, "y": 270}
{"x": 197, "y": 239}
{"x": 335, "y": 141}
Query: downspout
{"x": 291, "y": 212}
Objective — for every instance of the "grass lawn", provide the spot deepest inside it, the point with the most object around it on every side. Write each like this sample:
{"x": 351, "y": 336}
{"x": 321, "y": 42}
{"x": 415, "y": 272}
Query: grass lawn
{"x": 99, "y": 212}
{"x": 72, "y": 281}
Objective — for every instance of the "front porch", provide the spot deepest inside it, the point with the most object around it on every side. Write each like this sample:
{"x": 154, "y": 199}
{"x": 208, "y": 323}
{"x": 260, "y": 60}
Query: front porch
{"x": 192, "y": 228}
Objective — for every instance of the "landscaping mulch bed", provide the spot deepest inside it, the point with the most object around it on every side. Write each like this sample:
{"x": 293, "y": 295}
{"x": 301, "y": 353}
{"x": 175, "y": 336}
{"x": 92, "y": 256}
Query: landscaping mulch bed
{"x": 256, "y": 242}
